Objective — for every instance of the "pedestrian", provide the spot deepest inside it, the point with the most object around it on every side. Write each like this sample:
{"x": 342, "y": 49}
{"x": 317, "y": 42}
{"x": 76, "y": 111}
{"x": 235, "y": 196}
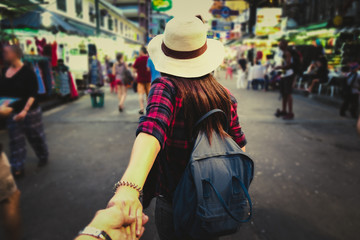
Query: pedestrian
{"x": 185, "y": 92}
{"x": 242, "y": 71}
{"x": 320, "y": 72}
{"x": 286, "y": 83}
{"x": 350, "y": 92}
{"x": 9, "y": 193}
{"x": 19, "y": 81}
{"x": 111, "y": 77}
{"x": 143, "y": 78}
{"x": 258, "y": 76}
{"x": 229, "y": 70}
{"x": 358, "y": 125}
{"x": 154, "y": 73}
{"x": 119, "y": 69}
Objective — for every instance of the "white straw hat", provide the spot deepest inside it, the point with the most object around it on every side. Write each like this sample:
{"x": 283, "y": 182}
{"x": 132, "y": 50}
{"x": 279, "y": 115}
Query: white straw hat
{"x": 184, "y": 50}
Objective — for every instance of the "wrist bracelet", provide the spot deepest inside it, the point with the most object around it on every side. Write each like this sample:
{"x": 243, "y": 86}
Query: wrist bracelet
{"x": 94, "y": 232}
{"x": 130, "y": 185}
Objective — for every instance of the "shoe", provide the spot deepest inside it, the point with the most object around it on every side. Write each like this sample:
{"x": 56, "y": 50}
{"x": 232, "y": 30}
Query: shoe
{"x": 141, "y": 112}
{"x": 43, "y": 163}
{"x": 18, "y": 173}
{"x": 280, "y": 113}
{"x": 289, "y": 116}
{"x": 121, "y": 109}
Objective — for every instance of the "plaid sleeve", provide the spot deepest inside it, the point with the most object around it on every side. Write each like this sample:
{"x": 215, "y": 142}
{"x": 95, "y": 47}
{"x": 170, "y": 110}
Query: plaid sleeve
{"x": 159, "y": 110}
{"x": 235, "y": 130}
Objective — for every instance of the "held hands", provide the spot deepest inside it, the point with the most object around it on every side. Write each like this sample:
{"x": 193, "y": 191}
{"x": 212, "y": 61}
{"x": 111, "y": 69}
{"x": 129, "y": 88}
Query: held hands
{"x": 21, "y": 116}
{"x": 128, "y": 199}
{"x": 114, "y": 221}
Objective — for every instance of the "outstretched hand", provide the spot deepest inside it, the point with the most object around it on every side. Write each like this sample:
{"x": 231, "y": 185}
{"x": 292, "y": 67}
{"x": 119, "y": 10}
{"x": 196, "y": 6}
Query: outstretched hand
{"x": 128, "y": 199}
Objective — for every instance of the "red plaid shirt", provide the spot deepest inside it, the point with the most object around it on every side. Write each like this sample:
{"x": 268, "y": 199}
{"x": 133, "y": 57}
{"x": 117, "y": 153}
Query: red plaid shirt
{"x": 165, "y": 121}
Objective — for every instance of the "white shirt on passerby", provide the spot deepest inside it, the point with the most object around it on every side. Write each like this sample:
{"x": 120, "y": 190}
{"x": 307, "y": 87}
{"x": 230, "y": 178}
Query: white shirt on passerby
{"x": 258, "y": 71}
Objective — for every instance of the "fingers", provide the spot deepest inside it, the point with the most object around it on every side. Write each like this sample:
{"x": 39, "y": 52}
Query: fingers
{"x": 139, "y": 221}
{"x": 145, "y": 219}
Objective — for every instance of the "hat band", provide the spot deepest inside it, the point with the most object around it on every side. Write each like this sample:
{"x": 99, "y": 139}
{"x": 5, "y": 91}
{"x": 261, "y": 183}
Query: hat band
{"x": 183, "y": 54}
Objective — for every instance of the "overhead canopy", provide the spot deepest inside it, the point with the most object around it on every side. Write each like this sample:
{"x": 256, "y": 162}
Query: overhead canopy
{"x": 34, "y": 19}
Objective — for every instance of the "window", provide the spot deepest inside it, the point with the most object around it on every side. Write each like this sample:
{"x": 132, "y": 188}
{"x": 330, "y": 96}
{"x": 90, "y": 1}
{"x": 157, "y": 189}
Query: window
{"x": 92, "y": 14}
{"x": 79, "y": 8}
{"x": 102, "y": 20}
{"x": 121, "y": 27}
{"x": 110, "y": 23}
{"x": 116, "y": 25}
{"x": 61, "y": 5}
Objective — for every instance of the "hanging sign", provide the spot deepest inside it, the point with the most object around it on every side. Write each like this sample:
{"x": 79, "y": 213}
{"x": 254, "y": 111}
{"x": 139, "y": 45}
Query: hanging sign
{"x": 161, "y": 5}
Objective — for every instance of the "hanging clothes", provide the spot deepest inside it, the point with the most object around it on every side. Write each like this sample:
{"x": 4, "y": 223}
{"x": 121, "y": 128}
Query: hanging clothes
{"x": 41, "y": 85}
{"x": 73, "y": 89}
{"x": 54, "y": 56}
{"x": 96, "y": 77}
{"x": 47, "y": 75}
{"x": 62, "y": 85}
{"x": 40, "y": 45}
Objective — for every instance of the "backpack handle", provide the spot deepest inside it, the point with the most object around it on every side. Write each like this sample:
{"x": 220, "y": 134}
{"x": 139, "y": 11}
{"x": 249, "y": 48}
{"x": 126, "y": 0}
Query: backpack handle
{"x": 208, "y": 114}
{"x": 225, "y": 206}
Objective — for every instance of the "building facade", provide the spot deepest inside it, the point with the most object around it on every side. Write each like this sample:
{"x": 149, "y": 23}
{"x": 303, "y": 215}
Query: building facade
{"x": 138, "y": 11}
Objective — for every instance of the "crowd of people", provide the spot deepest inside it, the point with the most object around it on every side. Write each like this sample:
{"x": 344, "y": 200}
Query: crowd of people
{"x": 285, "y": 68}
{"x": 180, "y": 104}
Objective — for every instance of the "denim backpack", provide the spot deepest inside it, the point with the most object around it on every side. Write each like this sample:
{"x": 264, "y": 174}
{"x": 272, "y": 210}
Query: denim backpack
{"x": 211, "y": 197}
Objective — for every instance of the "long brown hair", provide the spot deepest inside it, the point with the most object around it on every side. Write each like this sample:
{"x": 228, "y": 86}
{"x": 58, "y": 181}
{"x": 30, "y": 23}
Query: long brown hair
{"x": 199, "y": 96}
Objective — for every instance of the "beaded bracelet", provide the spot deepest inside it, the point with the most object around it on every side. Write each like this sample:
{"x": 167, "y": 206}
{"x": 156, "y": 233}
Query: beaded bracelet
{"x": 130, "y": 185}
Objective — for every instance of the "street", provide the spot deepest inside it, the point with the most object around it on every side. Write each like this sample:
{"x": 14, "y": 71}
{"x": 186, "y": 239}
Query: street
{"x": 306, "y": 182}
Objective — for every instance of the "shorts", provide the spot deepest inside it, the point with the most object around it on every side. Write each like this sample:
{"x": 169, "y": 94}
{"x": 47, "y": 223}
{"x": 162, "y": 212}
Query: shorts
{"x": 286, "y": 85}
{"x": 7, "y": 183}
{"x": 143, "y": 88}
{"x": 119, "y": 82}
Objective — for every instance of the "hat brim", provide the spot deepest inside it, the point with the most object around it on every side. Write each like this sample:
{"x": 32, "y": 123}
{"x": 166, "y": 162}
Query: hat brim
{"x": 187, "y": 68}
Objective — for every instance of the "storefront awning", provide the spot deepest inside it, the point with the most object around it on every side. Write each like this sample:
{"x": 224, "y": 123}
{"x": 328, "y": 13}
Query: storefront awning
{"x": 35, "y": 19}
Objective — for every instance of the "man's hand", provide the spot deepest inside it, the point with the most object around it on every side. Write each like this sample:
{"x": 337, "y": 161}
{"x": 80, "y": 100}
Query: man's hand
{"x": 5, "y": 110}
{"x": 21, "y": 116}
{"x": 114, "y": 222}
{"x": 128, "y": 199}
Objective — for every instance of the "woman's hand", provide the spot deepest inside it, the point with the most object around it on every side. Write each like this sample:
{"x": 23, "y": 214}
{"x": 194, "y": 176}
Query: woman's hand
{"x": 114, "y": 221}
{"x": 5, "y": 110}
{"x": 21, "y": 116}
{"x": 128, "y": 199}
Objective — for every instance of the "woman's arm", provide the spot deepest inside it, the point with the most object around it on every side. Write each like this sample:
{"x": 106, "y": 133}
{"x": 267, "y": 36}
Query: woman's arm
{"x": 113, "y": 69}
{"x": 144, "y": 152}
{"x": 24, "y": 112}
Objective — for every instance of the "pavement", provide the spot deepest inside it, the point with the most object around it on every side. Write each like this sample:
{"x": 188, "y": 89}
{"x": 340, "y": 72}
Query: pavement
{"x": 306, "y": 183}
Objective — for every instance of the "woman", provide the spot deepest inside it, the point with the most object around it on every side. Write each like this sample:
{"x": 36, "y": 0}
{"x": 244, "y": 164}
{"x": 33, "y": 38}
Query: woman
{"x": 119, "y": 69}
{"x": 184, "y": 93}
{"x": 19, "y": 81}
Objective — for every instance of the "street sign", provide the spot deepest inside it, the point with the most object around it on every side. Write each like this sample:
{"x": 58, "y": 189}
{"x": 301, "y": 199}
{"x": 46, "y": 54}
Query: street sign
{"x": 218, "y": 25}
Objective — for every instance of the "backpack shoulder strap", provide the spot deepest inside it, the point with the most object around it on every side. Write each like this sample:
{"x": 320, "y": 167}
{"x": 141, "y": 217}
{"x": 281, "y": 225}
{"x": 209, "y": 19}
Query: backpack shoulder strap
{"x": 208, "y": 114}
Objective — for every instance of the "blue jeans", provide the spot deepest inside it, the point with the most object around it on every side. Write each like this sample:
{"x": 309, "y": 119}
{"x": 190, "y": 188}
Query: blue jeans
{"x": 164, "y": 220}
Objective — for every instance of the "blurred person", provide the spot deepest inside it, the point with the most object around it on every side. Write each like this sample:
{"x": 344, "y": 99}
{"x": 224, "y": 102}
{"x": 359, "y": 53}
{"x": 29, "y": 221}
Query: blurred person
{"x": 119, "y": 69}
{"x": 242, "y": 71}
{"x": 170, "y": 117}
{"x": 10, "y": 216}
{"x": 319, "y": 72}
{"x": 258, "y": 76}
{"x": 143, "y": 77}
{"x": 350, "y": 92}
{"x": 19, "y": 81}
{"x": 151, "y": 68}
{"x": 229, "y": 70}
{"x": 110, "y": 223}
{"x": 286, "y": 83}
{"x": 111, "y": 77}
{"x": 358, "y": 125}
